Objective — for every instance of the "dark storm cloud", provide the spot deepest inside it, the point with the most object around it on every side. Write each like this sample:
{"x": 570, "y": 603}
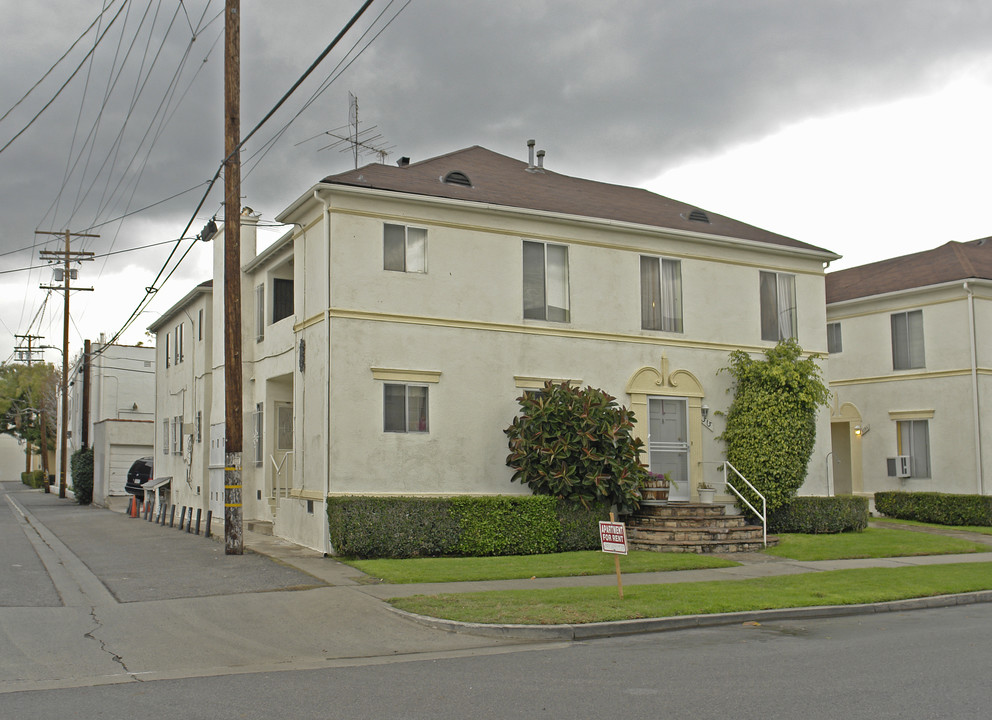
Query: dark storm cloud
{"x": 617, "y": 91}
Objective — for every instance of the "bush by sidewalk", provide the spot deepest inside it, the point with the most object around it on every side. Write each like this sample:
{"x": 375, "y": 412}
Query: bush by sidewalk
{"x": 937, "y": 508}
{"x": 34, "y": 479}
{"x": 403, "y": 527}
{"x": 81, "y": 465}
{"x": 814, "y": 515}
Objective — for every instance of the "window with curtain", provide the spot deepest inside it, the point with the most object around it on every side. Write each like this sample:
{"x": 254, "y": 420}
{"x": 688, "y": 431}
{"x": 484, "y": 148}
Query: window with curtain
{"x": 661, "y": 294}
{"x": 404, "y": 408}
{"x": 404, "y": 249}
{"x": 834, "y": 341}
{"x": 777, "y": 293}
{"x": 914, "y": 441}
{"x": 907, "y": 340}
{"x": 545, "y": 281}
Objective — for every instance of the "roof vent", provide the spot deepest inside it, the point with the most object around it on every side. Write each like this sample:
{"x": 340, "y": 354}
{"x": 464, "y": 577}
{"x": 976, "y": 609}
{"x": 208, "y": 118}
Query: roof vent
{"x": 457, "y": 178}
{"x": 699, "y": 216}
{"x": 403, "y": 161}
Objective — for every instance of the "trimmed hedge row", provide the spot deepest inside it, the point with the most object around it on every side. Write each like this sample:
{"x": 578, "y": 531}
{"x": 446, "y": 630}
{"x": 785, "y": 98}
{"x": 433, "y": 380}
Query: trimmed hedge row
{"x": 34, "y": 479}
{"x": 815, "y": 515}
{"x": 933, "y": 507}
{"x": 402, "y": 527}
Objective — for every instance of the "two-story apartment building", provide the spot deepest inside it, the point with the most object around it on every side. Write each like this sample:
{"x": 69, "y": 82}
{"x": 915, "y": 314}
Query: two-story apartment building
{"x": 183, "y": 397}
{"x": 911, "y": 371}
{"x": 389, "y": 333}
{"x": 112, "y": 410}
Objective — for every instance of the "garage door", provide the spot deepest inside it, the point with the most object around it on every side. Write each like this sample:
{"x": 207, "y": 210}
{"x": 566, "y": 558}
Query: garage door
{"x": 121, "y": 457}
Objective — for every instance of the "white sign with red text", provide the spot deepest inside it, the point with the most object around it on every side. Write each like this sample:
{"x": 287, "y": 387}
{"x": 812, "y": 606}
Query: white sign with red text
{"x": 613, "y": 537}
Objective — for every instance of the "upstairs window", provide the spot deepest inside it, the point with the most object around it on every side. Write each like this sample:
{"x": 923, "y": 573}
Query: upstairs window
{"x": 404, "y": 249}
{"x": 907, "y": 340}
{"x": 259, "y": 313}
{"x": 834, "y": 343}
{"x": 777, "y": 292}
{"x": 545, "y": 281}
{"x": 661, "y": 294}
{"x": 282, "y": 299}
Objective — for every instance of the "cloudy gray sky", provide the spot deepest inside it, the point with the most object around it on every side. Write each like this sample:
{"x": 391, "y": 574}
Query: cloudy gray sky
{"x": 859, "y": 126}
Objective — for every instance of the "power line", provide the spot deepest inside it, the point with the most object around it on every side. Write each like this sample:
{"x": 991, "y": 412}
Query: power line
{"x": 64, "y": 55}
{"x": 152, "y": 289}
{"x": 66, "y": 83}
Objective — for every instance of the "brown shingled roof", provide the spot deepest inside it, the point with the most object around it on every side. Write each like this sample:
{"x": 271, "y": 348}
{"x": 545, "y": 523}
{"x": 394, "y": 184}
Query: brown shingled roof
{"x": 500, "y": 180}
{"x": 951, "y": 262}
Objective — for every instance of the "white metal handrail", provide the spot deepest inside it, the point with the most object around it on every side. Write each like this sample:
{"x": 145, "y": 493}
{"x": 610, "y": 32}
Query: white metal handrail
{"x": 764, "y": 505}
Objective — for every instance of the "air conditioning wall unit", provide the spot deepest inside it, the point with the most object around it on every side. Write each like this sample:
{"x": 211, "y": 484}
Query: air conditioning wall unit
{"x": 898, "y": 466}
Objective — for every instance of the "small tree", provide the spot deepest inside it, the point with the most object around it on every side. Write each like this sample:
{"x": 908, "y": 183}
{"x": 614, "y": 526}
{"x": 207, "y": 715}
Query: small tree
{"x": 771, "y": 424}
{"x": 577, "y": 445}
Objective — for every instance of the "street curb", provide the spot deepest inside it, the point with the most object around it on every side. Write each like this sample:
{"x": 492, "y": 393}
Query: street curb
{"x": 620, "y": 628}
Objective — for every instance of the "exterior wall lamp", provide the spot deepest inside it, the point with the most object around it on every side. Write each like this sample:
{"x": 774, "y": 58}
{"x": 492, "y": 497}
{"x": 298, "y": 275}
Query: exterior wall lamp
{"x": 860, "y": 430}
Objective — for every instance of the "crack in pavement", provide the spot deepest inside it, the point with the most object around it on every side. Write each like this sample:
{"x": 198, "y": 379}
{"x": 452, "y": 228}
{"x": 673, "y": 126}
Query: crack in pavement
{"x": 103, "y": 645}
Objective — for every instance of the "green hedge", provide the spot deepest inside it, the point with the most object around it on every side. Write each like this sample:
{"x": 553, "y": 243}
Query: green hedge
{"x": 35, "y": 478}
{"x": 400, "y": 527}
{"x": 815, "y": 515}
{"x": 933, "y": 507}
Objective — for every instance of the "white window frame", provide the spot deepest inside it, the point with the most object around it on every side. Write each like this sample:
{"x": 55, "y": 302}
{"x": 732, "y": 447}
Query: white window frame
{"x": 414, "y": 248}
{"x": 913, "y": 439}
{"x": 778, "y": 323}
{"x": 423, "y": 424}
{"x": 835, "y": 338}
{"x": 542, "y": 285}
{"x": 661, "y": 294}
{"x": 168, "y": 346}
{"x": 180, "y": 351}
{"x": 908, "y": 349}
{"x": 165, "y": 436}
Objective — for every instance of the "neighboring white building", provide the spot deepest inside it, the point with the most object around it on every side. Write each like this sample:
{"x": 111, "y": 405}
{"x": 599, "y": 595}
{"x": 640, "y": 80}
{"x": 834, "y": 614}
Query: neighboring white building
{"x": 388, "y": 335}
{"x": 183, "y": 399}
{"x": 911, "y": 372}
{"x": 120, "y": 383}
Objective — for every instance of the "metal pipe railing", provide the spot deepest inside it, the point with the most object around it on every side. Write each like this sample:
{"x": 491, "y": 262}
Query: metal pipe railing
{"x": 763, "y": 515}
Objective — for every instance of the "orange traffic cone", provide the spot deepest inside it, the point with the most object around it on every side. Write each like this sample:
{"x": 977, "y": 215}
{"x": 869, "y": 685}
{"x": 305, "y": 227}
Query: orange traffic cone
{"x": 133, "y": 511}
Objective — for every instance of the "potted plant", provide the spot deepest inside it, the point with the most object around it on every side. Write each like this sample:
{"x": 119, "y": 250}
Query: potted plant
{"x": 655, "y": 488}
{"x": 706, "y": 493}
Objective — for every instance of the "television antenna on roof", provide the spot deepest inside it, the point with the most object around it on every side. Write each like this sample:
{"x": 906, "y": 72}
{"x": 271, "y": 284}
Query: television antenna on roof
{"x": 357, "y": 141}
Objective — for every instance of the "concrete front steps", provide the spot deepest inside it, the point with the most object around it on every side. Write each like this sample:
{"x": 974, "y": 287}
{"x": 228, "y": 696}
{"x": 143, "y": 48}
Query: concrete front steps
{"x": 692, "y": 528}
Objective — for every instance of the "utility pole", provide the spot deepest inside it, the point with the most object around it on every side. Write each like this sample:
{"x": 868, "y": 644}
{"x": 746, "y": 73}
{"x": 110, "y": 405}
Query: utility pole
{"x": 233, "y": 516}
{"x": 27, "y": 353}
{"x": 84, "y": 434}
{"x": 30, "y": 358}
{"x": 66, "y": 256}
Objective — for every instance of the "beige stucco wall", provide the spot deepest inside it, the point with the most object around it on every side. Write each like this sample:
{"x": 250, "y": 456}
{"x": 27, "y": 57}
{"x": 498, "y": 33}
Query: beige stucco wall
{"x": 862, "y": 375}
{"x": 463, "y": 319}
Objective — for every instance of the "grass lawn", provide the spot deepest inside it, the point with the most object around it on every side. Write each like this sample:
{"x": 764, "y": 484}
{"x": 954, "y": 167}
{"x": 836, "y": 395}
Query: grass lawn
{"x": 983, "y": 529}
{"x": 587, "y": 605}
{"x": 512, "y": 567}
{"x": 872, "y": 543}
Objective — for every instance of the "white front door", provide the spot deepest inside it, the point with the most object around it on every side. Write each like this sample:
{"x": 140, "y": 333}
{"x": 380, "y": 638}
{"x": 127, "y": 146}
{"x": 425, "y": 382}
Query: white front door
{"x": 668, "y": 443}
